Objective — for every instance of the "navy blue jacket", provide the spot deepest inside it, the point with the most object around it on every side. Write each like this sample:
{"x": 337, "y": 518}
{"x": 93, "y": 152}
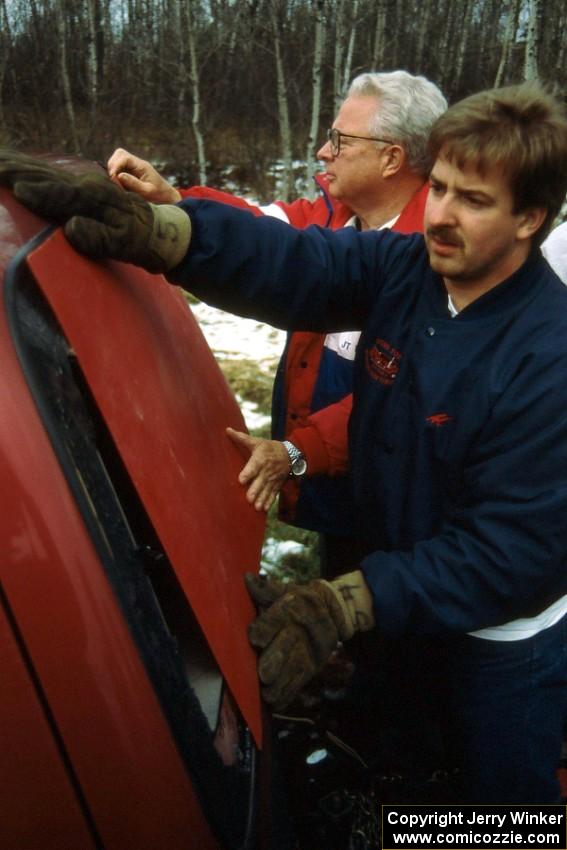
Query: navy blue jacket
{"x": 458, "y": 436}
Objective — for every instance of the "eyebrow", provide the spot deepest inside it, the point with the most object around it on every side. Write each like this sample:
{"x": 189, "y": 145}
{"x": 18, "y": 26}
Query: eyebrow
{"x": 462, "y": 191}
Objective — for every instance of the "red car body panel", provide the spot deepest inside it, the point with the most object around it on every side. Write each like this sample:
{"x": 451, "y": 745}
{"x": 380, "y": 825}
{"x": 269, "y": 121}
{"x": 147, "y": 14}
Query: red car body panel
{"x": 79, "y": 706}
{"x": 29, "y": 753}
{"x": 168, "y": 420}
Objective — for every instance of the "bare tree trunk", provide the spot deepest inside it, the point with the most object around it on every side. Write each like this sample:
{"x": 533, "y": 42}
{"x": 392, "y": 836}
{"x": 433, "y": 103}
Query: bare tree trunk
{"x": 561, "y": 63}
{"x": 379, "y": 46}
{"x": 103, "y": 33}
{"x": 283, "y": 106}
{"x": 464, "y": 28}
{"x": 488, "y": 24}
{"x": 339, "y": 51}
{"x": 446, "y": 46}
{"x": 509, "y": 39}
{"x": 345, "y": 34}
{"x": 5, "y": 46}
{"x": 236, "y": 14}
{"x": 421, "y": 35}
{"x": 179, "y": 27}
{"x": 350, "y": 50}
{"x": 531, "y": 71}
{"x": 92, "y": 62}
{"x": 316, "y": 100}
{"x": 63, "y": 70}
{"x": 196, "y": 89}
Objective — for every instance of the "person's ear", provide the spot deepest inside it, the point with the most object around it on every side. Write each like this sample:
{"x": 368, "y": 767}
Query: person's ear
{"x": 530, "y": 221}
{"x": 393, "y": 159}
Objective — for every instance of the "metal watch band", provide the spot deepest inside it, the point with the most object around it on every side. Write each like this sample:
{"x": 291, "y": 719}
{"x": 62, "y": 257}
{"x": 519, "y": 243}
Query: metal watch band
{"x": 297, "y": 460}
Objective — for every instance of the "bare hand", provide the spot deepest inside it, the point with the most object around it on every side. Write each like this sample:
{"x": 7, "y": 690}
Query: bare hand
{"x": 267, "y": 469}
{"x": 139, "y": 176}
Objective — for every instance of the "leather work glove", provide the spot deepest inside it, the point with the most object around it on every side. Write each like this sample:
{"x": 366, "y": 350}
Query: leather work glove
{"x": 299, "y": 627}
{"x": 100, "y": 219}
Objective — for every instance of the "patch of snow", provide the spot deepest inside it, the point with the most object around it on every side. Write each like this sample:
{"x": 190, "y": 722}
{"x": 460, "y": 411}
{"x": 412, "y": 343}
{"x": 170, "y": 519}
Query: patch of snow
{"x": 252, "y": 416}
{"x": 274, "y": 550}
{"x": 232, "y": 337}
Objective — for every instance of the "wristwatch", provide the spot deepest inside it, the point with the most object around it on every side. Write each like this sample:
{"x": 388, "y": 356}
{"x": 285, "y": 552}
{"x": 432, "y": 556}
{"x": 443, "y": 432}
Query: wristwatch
{"x": 298, "y": 463}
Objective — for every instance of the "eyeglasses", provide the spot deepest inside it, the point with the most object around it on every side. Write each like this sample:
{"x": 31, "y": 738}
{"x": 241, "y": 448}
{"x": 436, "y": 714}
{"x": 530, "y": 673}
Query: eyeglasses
{"x": 334, "y": 136}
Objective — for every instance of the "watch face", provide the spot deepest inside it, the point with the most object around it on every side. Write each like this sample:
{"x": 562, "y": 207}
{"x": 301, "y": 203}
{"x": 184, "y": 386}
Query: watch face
{"x": 299, "y": 466}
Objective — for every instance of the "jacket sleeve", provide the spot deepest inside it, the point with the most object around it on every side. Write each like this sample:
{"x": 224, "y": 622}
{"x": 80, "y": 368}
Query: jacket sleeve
{"x": 300, "y": 213}
{"x": 324, "y": 440}
{"x": 501, "y": 551}
{"x": 205, "y": 193}
{"x": 315, "y": 279}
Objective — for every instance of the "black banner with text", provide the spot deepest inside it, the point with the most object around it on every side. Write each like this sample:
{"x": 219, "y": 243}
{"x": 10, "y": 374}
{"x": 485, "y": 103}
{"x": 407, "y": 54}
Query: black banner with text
{"x": 474, "y": 827}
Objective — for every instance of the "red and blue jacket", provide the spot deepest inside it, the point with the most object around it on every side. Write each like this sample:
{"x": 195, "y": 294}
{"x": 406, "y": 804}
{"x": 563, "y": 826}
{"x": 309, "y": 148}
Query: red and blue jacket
{"x": 312, "y": 397}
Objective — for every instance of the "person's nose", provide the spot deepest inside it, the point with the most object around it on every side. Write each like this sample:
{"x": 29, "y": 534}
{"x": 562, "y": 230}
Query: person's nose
{"x": 325, "y": 153}
{"x": 441, "y": 211}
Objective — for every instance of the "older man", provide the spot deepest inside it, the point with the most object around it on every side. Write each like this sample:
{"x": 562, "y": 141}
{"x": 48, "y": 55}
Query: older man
{"x": 376, "y": 165}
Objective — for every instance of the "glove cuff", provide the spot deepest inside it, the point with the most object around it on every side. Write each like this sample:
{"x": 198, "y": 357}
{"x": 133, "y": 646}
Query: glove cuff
{"x": 171, "y": 234}
{"x": 356, "y": 602}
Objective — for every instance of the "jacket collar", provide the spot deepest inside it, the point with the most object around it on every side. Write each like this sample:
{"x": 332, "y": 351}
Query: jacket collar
{"x": 338, "y": 213}
{"x": 511, "y": 294}
{"x": 410, "y": 219}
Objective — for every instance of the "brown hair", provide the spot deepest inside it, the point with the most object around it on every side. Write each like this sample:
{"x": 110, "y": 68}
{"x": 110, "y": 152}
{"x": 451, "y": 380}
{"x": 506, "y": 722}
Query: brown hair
{"x": 520, "y": 129}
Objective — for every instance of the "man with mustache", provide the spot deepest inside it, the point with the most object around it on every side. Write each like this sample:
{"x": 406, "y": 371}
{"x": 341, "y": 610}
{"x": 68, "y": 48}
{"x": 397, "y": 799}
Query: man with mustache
{"x": 458, "y": 437}
{"x": 376, "y": 166}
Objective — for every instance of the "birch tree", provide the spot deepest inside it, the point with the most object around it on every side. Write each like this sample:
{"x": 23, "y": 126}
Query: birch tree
{"x": 347, "y": 70}
{"x": 560, "y": 64}
{"x": 444, "y": 54}
{"x": 339, "y": 49}
{"x": 379, "y": 46}
{"x": 488, "y": 28}
{"x": 93, "y": 24}
{"x": 531, "y": 63}
{"x": 177, "y": 48}
{"x": 423, "y": 26}
{"x": 194, "y": 78}
{"x": 5, "y": 47}
{"x": 277, "y": 17}
{"x": 508, "y": 41}
{"x": 316, "y": 79}
{"x": 462, "y": 43}
{"x": 60, "y": 16}
{"x": 345, "y": 34}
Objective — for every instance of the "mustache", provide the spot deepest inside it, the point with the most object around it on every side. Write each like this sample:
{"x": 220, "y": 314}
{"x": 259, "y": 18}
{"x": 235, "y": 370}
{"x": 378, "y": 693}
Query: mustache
{"x": 444, "y": 234}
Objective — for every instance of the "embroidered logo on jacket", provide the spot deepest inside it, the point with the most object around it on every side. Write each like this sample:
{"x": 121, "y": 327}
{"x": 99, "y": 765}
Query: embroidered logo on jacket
{"x": 439, "y": 419}
{"x": 383, "y": 362}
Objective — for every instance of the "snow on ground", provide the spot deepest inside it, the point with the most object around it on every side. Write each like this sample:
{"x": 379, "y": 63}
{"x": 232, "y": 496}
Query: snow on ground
{"x": 252, "y": 416}
{"x": 233, "y": 338}
{"x": 274, "y": 550}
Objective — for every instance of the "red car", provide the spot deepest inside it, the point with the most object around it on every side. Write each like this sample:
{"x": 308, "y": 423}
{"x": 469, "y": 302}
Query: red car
{"x": 130, "y": 713}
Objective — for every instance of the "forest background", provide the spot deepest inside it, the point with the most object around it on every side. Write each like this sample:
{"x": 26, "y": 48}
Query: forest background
{"x": 238, "y": 94}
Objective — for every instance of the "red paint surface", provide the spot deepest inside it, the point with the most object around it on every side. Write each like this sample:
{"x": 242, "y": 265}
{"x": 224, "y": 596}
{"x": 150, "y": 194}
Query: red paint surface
{"x": 167, "y": 406}
{"x": 73, "y": 681}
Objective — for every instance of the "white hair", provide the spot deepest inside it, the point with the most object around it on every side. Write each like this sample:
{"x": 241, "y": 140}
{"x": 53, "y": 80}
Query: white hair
{"x": 407, "y": 108}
